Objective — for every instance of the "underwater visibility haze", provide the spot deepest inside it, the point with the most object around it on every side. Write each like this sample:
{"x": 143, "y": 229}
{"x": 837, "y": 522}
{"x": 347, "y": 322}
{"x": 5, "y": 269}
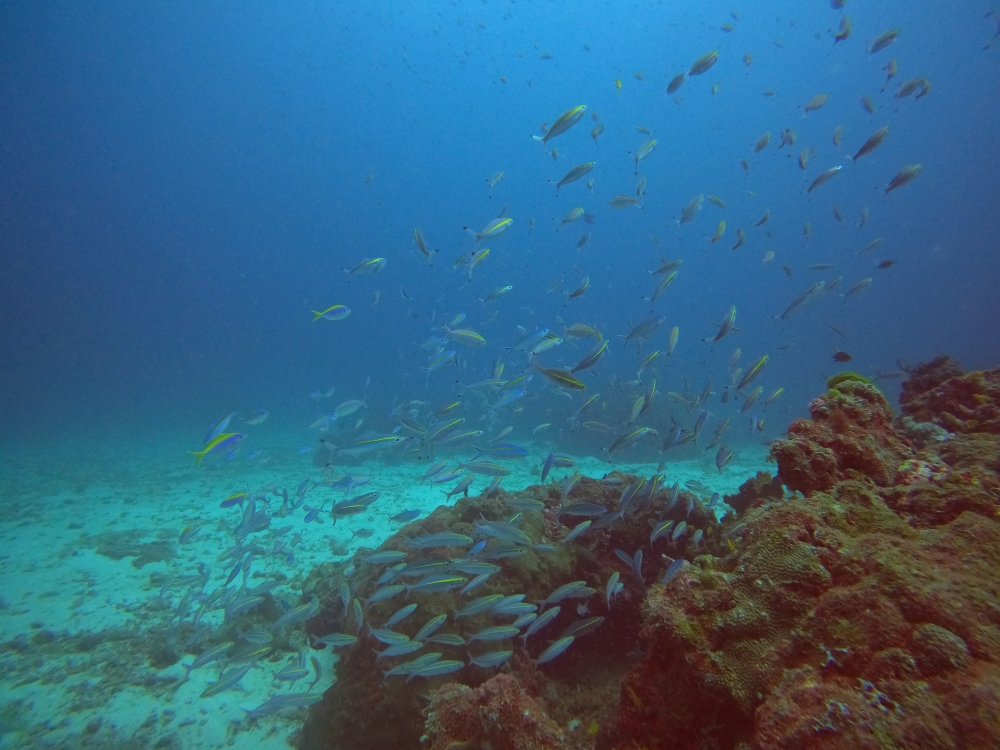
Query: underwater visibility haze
{"x": 522, "y": 374}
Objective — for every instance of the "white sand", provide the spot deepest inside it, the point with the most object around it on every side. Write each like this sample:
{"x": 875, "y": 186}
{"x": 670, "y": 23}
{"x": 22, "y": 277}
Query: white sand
{"x": 55, "y": 581}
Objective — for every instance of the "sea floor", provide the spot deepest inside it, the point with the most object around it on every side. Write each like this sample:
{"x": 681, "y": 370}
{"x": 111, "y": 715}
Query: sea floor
{"x": 88, "y": 635}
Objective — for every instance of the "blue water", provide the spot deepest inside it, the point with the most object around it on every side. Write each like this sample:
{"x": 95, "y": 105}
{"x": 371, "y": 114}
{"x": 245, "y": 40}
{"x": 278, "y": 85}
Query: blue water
{"x": 182, "y": 183}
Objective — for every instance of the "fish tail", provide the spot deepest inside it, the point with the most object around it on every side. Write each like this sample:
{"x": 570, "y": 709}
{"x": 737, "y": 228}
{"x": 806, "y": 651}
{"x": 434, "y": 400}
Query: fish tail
{"x": 199, "y": 455}
{"x": 316, "y": 316}
{"x": 539, "y": 138}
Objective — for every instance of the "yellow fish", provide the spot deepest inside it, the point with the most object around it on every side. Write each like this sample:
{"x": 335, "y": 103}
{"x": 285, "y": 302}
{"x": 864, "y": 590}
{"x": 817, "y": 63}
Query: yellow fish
{"x": 220, "y": 441}
{"x": 618, "y": 84}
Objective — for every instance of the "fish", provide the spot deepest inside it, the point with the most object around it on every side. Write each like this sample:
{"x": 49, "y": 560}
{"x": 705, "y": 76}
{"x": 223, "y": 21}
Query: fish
{"x": 227, "y": 680}
{"x": 747, "y": 59}
{"x": 573, "y": 215}
{"x": 282, "y": 702}
{"x": 799, "y": 302}
{"x": 491, "y": 659}
{"x": 385, "y": 592}
{"x": 839, "y": 356}
{"x": 259, "y": 417}
{"x": 643, "y": 330}
{"x": 369, "y": 266}
{"x": 465, "y": 336}
{"x": 867, "y": 104}
{"x": 816, "y": 102}
{"x": 334, "y": 312}
{"x": 430, "y": 627}
{"x": 492, "y": 230}
{"x": 845, "y": 30}
{"x": 723, "y": 457}
{"x": 692, "y": 208}
{"x": 905, "y": 176}
{"x": 335, "y": 640}
{"x": 891, "y": 68}
{"x": 666, "y": 266}
{"x": 405, "y": 516}
{"x": 476, "y": 606}
{"x": 644, "y": 151}
{"x": 873, "y": 142}
{"x": 703, "y": 63}
{"x": 562, "y": 378}
{"x": 492, "y": 182}
{"x": 219, "y": 428}
{"x": 349, "y": 407}
{"x": 676, "y": 82}
{"x": 761, "y": 143}
{"x": 573, "y": 590}
{"x": 591, "y": 358}
{"x": 582, "y": 627}
{"x": 580, "y": 170}
{"x": 726, "y": 326}
{"x": 564, "y": 122}
{"x": 824, "y": 177}
{"x": 207, "y": 656}
{"x": 858, "y": 288}
{"x": 436, "y": 669}
{"x": 558, "y": 647}
{"x": 409, "y": 667}
{"x": 598, "y": 129}
{"x": 720, "y": 230}
{"x": 919, "y": 86}
{"x": 222, "y": 442}
{"x": 494, "y": 633}
{"x": 764, "y": 219}
{"x": 673, "y": 569}
{"x": 440, "y": 539}
{"x": 882, "y": 41}
{"x": 740, "y": 239}
{"x": 620, "y": 202}
{"x": 752, "y": 373}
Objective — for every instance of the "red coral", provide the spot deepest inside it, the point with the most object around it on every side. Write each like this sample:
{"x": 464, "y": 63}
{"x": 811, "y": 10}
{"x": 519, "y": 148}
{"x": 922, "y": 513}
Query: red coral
{"x": 498, "y": 714}
{"x": 849, "y": 436}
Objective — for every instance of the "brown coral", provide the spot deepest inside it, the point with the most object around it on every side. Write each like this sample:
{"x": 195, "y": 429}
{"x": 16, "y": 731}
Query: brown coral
{"x": 849, "y": 436}
{"x": 824, "y": 623}
{"x": 497, "y": 714}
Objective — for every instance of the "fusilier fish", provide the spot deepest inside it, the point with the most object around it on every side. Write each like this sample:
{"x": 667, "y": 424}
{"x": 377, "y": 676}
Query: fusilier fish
{"x": 703, "y": 63}
{"x": 580, "y": 170}
{"x": 872, "y": 143}
{"x": 564, "y": 122}
{"x": 824, "y": 177}
{"x": 906, "y": 175}
{"x": 883, "y": 40}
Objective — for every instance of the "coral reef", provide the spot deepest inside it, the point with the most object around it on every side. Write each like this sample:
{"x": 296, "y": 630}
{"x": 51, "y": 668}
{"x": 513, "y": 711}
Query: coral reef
{"x": 759, "y": 489}
{"x": 864, "y": 615}
{"x": 497, "y": 714}
{"x": 938, "y": 392}
{"x": 849, "y": 436}
{"x": 861, "y": 613}
{"x": 365, "y": 709}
